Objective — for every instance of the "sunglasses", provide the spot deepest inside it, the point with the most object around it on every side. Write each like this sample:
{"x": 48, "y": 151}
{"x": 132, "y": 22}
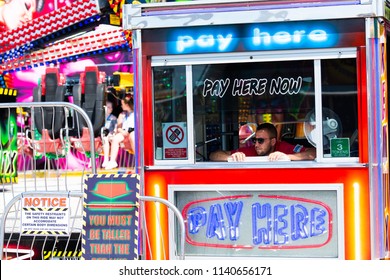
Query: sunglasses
{"x": 259, "y": 140}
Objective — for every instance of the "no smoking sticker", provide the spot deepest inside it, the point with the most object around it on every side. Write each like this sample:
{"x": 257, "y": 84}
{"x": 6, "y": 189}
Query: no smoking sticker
{"x": 175, "y": 140}
{"x": 174, "y": 134}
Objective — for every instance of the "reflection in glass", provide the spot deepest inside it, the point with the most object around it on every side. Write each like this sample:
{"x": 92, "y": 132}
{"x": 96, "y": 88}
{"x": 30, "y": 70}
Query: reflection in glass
{"x": 231, "y": 99}
{"x": 339, "y": 102}
{"x": 169, "y": 105}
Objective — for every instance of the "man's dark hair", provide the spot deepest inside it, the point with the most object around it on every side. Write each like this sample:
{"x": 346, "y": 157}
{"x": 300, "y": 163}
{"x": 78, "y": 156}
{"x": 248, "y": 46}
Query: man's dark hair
{"x": 270, "y": 128}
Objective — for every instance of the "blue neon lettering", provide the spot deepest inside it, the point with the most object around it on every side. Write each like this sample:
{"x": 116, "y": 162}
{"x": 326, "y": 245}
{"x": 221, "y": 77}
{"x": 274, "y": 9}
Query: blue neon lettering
{"x": 223, "y": 43}
{"x": 261, "y": 37}
{"x": 196, "y": 219}
{"x": 282, "y": 37}
{"x": 251, "y": 37}
{"x": 233, "y": 210}
{"x": 216, "y": 225}
{"x": 317, "y": 221}
{"x": 204, "y": 41}
{"x": 280, "y": 224}
{"x": 318, "y": 35}
{"x": 299, "y": 221}
{"x": 285, "y": 37}
{"x": 262, "y": 234}
{"x": 184, "y": 42}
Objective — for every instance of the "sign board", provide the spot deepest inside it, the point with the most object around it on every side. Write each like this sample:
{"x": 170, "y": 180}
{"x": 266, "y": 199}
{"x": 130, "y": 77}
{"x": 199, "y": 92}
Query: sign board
{"x": 110, "y": 230}
{"x": 339, "y": 147}
{"x": 262, "y": 36}
{"x": 45, "y": 215}
{"x": 288, "y": 221}
{"x": 175, "y": 140}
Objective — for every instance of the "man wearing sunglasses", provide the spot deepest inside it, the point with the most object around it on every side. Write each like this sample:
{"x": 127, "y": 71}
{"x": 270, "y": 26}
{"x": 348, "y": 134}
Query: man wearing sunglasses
{"x": 266, "y": 144}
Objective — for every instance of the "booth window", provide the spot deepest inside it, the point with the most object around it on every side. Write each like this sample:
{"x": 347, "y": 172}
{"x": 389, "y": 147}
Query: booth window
{"x": 228, "y": 101}
{"x": 231, "y": 99}
{"x": 170, "y": 113}
{"x": 339, "y": 108}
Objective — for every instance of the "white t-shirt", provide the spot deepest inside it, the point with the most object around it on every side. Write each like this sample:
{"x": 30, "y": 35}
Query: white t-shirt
{"x": 128, "y": 121}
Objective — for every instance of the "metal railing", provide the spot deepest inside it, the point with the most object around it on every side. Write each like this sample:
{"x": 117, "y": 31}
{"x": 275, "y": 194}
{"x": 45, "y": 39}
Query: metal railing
{"x": 21, "y": 251}
{"x": 54, "y": 177}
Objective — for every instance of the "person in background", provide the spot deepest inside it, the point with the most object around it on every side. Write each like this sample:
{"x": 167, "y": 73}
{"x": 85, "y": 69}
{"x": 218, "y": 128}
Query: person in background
{"x": 111, "y": 120}
{"x": 266, "y": 144}
{"x": 14, "y": 13}
{"x": 124, "y": 129}
{"x": 108, "y": 131}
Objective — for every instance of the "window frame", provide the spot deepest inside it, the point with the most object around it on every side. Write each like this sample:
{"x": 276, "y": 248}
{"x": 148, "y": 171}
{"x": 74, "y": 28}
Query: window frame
{"x": 271, "y": 56}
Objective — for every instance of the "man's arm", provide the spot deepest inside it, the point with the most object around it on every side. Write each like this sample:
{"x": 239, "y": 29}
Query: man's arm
{"x": 308, "y": 154}
{"x": 226, "y": 155}
{"x": 220, "y": 155}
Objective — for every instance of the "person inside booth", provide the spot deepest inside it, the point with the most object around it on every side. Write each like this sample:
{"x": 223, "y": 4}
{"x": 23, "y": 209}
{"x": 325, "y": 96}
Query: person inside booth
{"x": 266, "y": 145}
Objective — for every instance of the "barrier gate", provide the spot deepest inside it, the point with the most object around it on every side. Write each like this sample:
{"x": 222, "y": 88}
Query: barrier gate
{"x": 44, "y": 167}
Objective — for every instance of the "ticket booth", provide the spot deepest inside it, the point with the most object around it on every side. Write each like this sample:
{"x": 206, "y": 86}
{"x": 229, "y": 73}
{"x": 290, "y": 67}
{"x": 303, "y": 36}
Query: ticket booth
{"x": 208, "y": 72}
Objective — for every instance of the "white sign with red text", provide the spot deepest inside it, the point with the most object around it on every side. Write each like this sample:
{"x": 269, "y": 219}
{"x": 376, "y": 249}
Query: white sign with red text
{"x": 175, "y": 140}
{"x": 45, "y": 215}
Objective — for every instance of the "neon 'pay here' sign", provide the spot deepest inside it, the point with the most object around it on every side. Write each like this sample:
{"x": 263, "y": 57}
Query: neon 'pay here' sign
{"x": 261, "y": 223}
{"x": 262, "y": 36}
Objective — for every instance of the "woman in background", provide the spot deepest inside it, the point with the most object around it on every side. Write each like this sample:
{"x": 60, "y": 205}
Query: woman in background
{"x": 125, "y": 129}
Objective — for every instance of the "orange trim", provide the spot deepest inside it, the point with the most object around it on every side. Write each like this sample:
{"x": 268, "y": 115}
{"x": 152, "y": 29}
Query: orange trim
{"x": 357, "y": 220}
{"x": 356, "y": 205}
{"x": 157, "y": 247}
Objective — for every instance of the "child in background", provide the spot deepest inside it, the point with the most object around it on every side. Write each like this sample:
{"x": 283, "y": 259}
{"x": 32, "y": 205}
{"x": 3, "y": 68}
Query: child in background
{"x": 108, "y": 131}
{"x": 125, "y": 128}
{"x": 110, "y": 124}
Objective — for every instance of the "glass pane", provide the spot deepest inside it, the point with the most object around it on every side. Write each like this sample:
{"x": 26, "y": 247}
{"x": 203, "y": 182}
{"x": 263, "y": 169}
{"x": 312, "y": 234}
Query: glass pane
{"x": 339, "y": 108}
{"x": 170, "y": 113}
{"x": 230, "y": 100}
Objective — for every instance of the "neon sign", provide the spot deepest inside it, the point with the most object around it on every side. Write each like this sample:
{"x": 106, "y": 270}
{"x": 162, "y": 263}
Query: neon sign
{"x": 261, "y": 223}
{"x": 279, "y": 221}
{"x": 252, "y": 37}
{"x": 218, "y": 41}
{"x": 285, "y": 37}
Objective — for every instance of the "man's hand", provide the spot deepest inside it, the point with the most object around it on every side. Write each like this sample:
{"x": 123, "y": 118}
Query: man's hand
{"x": 237, "y": 157}
{"x": 278, "y": 156}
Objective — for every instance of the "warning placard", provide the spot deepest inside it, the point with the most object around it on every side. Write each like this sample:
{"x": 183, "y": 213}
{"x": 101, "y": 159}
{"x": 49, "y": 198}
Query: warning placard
{"x": 175, "y": 140}
{"x": 45, "y": 216}
{"x": 110, "y": 218}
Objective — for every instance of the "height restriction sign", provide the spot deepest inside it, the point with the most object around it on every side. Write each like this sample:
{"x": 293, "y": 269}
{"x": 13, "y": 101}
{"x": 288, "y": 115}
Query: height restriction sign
{"x": 175, "y": 140}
